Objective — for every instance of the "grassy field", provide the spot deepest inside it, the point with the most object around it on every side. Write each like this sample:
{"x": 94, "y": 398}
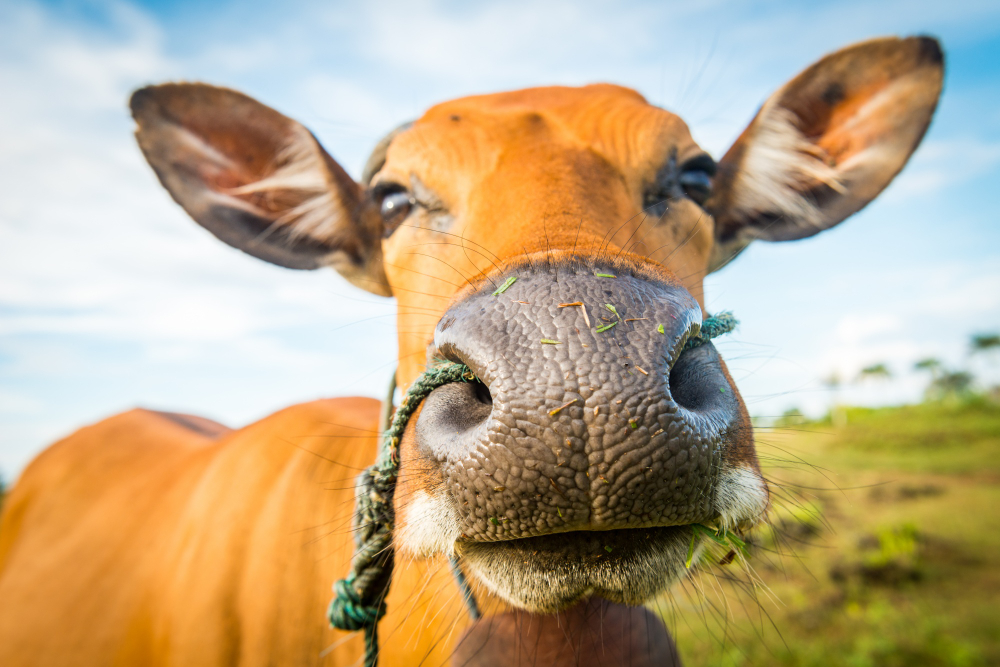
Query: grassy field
{"x": 883, "y": 548}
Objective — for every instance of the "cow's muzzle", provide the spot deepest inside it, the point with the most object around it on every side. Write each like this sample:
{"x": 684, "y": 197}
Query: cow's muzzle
{"x": 592, "y": 441}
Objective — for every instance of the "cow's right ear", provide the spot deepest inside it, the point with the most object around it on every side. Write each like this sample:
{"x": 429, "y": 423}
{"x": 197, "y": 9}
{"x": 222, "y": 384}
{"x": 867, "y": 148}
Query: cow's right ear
{"x": 826, "y": 143}
{"x": 259, "y": 181}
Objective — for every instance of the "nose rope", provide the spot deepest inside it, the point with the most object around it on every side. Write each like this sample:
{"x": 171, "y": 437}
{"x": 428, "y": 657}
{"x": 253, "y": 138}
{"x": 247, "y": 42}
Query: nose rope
{"x": 359, "y": 598}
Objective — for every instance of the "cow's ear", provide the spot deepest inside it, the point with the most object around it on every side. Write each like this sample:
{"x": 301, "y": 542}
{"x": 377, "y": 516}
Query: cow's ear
{"x": 259, "y": 181}
{"x": 826, "y": 143}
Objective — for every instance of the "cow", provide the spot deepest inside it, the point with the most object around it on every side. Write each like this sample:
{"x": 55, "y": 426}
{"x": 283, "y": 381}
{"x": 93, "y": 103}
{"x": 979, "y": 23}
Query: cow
{"x": 554, "y": 241}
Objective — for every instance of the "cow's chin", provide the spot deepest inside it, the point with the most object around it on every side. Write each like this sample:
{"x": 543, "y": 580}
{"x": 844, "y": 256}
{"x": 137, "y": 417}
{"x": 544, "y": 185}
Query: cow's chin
{"x": 548, "y": 573}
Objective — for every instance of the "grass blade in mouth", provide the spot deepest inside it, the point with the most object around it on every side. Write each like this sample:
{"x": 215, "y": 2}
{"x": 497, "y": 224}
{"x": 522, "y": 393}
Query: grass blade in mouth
{"x": 725, "y": 538}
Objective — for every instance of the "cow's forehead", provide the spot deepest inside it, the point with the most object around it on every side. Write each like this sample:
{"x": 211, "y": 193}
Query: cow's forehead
{"x": 469, "y": 135}
{"x": 566, "y": 102}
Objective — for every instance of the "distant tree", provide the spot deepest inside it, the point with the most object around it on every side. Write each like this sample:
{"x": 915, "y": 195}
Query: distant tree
{"x": 945, "y": 383}
{"x": 980, "y": 343}
{"x": 950, "y": 384}
{"x": 987, "y": 346}
{"x": 929, "y": 364}
{"x": 833, "y": 382}
{"x": 875, "y": 372}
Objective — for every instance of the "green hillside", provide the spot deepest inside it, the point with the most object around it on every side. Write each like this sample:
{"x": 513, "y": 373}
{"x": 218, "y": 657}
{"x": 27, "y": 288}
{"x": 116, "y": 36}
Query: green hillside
{"x": 882, "y": 550}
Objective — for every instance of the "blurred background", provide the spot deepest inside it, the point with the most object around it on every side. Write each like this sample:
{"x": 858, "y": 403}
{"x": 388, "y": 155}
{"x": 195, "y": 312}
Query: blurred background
{"x": 868, "y": 355}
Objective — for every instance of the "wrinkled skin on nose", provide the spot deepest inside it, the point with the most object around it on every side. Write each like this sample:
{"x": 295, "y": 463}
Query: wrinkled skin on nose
{"x": 595, "y": 431}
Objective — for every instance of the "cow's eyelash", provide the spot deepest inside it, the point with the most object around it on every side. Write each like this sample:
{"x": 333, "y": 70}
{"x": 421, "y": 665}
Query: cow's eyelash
{"x": 386, "y": 188}
{"x": 703, "y": 162}
{"x": 692, "y": 179}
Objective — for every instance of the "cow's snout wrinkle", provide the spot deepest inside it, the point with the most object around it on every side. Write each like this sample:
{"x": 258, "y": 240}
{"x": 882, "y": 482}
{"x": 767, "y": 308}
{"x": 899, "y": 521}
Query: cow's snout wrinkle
{"x": 574, "y": 427}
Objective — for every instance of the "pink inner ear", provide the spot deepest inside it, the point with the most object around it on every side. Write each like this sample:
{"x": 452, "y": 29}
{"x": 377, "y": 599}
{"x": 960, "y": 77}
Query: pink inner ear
{"x": 869, "y": 118}
{"x": 225, "y": 174}
{"x": 882, "y": 92}
{"x": 221, "y": 180}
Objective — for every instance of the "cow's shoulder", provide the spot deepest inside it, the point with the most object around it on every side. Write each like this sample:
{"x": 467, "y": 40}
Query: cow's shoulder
{"x": 95, "y": 460}
{"x": 169, "y": 516}
{"x": 143, "y": 438}
{"x": 148, "y": 456}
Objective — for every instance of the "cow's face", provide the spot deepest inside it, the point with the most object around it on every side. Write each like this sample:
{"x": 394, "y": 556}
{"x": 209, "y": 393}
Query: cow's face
{"x": 592, "y": 439}
{"x": 595, "y": 173}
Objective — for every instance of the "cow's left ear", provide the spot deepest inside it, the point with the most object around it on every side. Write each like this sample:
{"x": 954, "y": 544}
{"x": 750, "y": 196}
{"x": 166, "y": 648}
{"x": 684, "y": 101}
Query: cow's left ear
{"x": 259, "y": 181}
{"x": 826, "y": 143}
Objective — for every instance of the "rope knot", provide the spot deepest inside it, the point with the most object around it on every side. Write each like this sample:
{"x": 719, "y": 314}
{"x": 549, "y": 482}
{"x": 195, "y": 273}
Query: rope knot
{"x": 348, "y": 612}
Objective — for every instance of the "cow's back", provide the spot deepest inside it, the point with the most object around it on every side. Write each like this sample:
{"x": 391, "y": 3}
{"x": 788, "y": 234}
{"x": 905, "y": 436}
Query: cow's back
{"x": 154, "y": 539}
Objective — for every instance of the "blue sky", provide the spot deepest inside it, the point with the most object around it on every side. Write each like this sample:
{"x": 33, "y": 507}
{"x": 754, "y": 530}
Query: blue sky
{"x": 111, "y": 298}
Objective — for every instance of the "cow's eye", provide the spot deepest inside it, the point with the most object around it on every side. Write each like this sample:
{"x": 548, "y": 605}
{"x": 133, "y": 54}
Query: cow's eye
{"x": 395, "y": 206}
{"x": 697, "y": 184}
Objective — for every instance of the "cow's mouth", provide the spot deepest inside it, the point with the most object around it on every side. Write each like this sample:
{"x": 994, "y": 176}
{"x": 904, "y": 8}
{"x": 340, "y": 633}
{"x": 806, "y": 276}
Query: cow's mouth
{"x": 550, "y": 572}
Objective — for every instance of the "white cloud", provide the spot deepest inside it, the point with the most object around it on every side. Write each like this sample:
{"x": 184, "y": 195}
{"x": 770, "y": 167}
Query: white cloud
{"x": 84, "y": 72}
{"x": 514, "y": 41}
{"x": 18, "y": 404}
{"x": 853, "y": 329}
{"x": 944, "y": 162}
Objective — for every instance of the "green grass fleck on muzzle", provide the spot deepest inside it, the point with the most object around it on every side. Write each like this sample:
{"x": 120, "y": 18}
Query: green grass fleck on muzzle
{"x": 503, "y": 288}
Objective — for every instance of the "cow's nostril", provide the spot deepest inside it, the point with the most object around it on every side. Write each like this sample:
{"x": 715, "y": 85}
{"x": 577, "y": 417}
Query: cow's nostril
{"x": 451, "y": 416}
{"x": 476, "y": 389}
{"x": 482, "y": 393}
{"x": 696, "y": 381}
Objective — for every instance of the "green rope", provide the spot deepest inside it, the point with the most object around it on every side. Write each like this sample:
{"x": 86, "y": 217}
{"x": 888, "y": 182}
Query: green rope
{"x": 465, "y": 589}
{"x": 359, "y": 599}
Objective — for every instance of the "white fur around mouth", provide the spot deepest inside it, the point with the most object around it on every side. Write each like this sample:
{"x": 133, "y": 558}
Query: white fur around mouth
{"x": 429, "y": 526}
{"x": 513, "y": 571}
{"x": 510, "y": 570}
{"x": 741, "y": 497}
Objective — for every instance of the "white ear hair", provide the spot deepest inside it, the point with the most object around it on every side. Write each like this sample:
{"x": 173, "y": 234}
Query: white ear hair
{"x": 777, "y": 165}
{"x": 300, "y": 168}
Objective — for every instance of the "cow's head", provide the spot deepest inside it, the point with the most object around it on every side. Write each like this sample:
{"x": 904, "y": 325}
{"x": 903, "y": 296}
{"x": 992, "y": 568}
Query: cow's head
{"x": 574, "y": 467}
